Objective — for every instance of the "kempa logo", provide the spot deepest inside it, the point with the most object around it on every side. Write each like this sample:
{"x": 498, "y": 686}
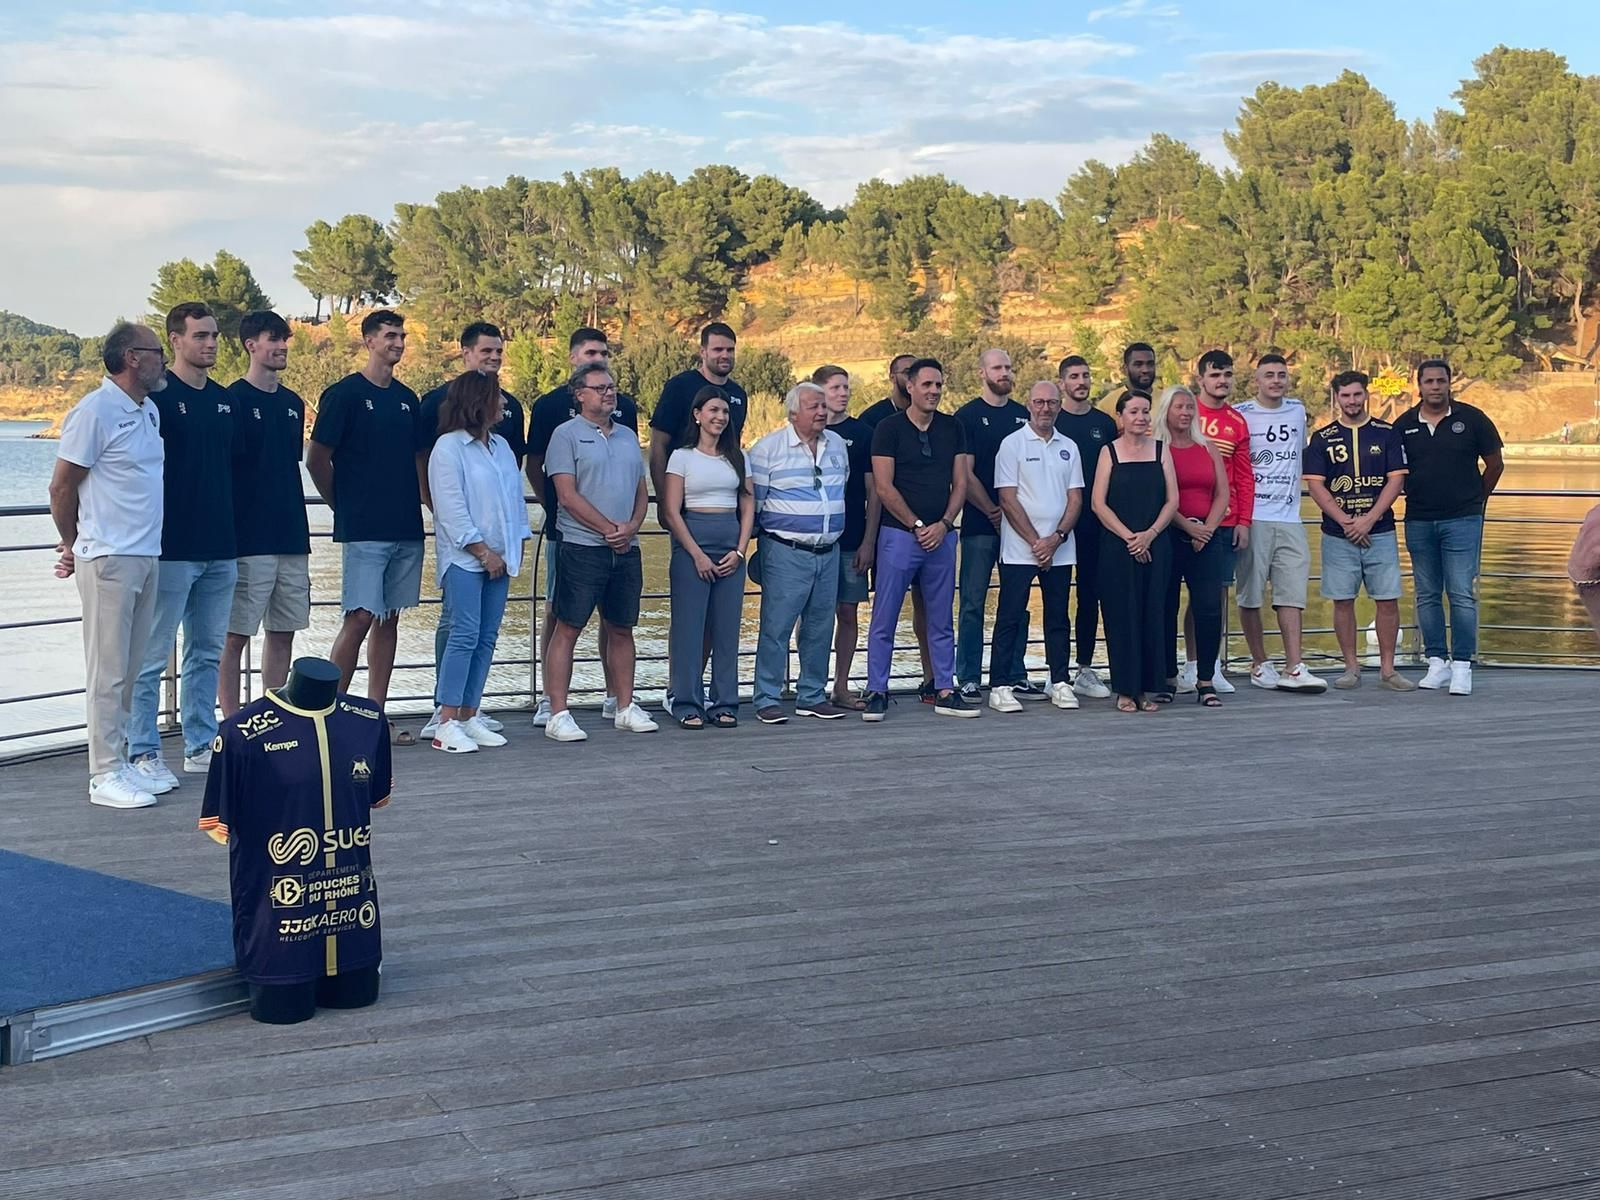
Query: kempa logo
{"x": 289, "y": 745}
{"x": 300, "y": 846}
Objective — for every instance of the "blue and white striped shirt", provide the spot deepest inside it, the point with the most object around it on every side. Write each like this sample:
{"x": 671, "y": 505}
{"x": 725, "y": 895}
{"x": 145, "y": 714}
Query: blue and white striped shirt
{"x": 799, "y": 497}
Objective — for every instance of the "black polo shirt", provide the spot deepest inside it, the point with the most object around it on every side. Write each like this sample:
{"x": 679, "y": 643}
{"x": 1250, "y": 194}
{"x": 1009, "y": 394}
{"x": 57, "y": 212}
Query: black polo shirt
{"x": 550, "y": 412}
{"x": 1445, "y": 476}
{"x": 511, "y": 427}
{"x": 923, "y": 480}
{"x": 857, "y": 436}
{"x": 200, "y": 437}
{"x": 677, "y": 399}
{"x": 372, "y": 432}
{"x": 269, "y": 506}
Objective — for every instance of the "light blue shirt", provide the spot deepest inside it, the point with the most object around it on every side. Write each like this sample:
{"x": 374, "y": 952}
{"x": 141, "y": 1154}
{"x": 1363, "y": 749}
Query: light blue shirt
{"x": 477, "y": 497}
{"x": 606, "y": 468}
{"x": 798, "y": 496}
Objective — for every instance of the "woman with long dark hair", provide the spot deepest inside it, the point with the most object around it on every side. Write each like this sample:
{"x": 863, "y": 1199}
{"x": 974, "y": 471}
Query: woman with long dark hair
{"x": 479, "y": 524}
{"x": 707, "y": 506}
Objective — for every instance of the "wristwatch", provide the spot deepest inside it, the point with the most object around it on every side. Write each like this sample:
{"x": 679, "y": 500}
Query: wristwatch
{"x": 948, "y": 524}
{"x": 1061, "y": 534}
{"x": 921, "y": 524}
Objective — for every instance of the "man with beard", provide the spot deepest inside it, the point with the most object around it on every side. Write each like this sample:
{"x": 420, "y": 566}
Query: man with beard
{"x": 1139, "y": 373}
{"x": 1090, "y": 429}
{"x": 1225, "y": 429}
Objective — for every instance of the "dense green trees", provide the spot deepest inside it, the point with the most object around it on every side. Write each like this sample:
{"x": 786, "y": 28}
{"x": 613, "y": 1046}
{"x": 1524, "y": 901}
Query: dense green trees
{"x": 347, "y": 264}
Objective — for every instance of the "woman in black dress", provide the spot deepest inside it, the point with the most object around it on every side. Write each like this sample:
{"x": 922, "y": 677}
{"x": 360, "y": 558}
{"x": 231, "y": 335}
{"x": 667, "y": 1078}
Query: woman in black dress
{"x": 1135, "y": 495}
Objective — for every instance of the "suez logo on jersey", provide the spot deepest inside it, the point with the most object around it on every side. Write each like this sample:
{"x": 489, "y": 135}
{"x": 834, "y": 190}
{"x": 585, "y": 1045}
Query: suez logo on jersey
{"x": 303, "y": 845}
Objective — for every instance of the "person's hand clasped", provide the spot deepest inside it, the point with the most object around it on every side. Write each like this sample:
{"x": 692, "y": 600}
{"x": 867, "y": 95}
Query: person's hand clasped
{"x": 66, "y": 564}
{"x": 929, "y": 537}
{"x": 620, "y": 538}
{"x": 493, "y": 565}
{"x": 703, "y": 566}
{"x": 727, "y": 564}
{"x": 1044, "y": 549}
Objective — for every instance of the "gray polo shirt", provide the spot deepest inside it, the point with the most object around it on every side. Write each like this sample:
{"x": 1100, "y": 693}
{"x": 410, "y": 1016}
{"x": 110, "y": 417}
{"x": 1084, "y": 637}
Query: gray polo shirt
{"x": 606, "y": 470}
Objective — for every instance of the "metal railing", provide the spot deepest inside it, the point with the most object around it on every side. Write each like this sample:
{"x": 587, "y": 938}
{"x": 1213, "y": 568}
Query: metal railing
{"x": 402, "y": 702}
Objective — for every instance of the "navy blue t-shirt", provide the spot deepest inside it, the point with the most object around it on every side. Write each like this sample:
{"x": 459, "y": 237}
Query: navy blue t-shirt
{"x": 200, "y": 437}
{"x": 986, "y": 426}
{"x": 677, "y": 400}
{"x": 290, "y": 793}
{"x": 1089, "y": 431}
{"x": 857, "y": 435}
{"x": 269, "y": 507}
{"x": 512, "y": 426}
{"x": 372, "y": 432}
{"x": 874, "y": 413}
{"x": 550, "y": 412}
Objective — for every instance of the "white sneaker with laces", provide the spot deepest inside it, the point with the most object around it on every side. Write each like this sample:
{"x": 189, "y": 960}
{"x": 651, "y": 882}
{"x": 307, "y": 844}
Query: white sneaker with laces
{"x": 453, "y": 738}
{"x": 122, "y": 788}
{"x": 1438, "y": 675}
{"x": 1087, "y": 684}
{"x": 1461, "y": 679}
{"x": 1188, "y": 677}
{"x": 634, "y": 719}
{"x": 481, "y": 733}
{"x": 562, "y": 728}
{"x": 1001, "y": 699}
{"x": 1219, "y": 680}
{"x": 490, "y": 723}
{"x": 1300, "y": 679}
{"x": 150, "y": 774}
{"x": 432, "y": 727}
{"x": 541, "y": 714}
{"x": 197, "y": 764}
{"x": 608, "y": 708}
{"x": 1062, "y": 695}
{"x": 1264, "y": 676}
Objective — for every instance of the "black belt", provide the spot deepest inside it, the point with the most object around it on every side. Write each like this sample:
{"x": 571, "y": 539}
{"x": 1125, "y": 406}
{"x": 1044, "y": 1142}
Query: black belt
{"x": 808, "y": 547}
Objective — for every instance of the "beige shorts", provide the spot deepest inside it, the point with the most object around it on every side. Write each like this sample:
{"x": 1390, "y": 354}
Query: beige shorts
{"x": 274, "y": 589}
{"x": 1278, "y": 554}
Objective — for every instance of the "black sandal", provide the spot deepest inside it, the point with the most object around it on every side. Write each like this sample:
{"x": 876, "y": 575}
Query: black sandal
{"x": 691, "y": 720}
{"x": 725, "y": 720}
{"x": 1206, "y": 694}
{"x": 1161, "y": 697}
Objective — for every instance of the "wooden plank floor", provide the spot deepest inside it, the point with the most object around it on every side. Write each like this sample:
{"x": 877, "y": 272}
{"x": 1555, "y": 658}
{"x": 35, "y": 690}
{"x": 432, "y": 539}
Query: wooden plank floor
{"x": 1304, "y": 946}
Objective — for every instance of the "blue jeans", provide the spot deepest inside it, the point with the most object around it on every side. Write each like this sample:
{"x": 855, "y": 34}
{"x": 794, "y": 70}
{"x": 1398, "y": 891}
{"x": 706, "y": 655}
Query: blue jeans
{"x": 476, "y": 604}
{"x": 198, "y": 596}
{"x": 441, "y": 639}
{"x": 796, "y": 585}
{"x": 1444, "y": 561}
{"x": 979, "y": 554}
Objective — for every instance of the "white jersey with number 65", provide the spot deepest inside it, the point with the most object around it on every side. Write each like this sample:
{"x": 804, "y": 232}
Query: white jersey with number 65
{"x": 1277, "y": 446}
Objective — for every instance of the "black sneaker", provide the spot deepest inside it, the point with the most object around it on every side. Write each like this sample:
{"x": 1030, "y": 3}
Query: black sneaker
{"x": 877, "y": 706}
{"x": 969, "y": 693}
{"x": 1029, "y": 690}
{"x": 926, "y": 691}
{"x": 952, "y": 704}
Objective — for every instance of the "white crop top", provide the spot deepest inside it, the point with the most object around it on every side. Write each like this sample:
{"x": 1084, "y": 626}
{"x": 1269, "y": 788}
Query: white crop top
{"x": 709, "y": 481}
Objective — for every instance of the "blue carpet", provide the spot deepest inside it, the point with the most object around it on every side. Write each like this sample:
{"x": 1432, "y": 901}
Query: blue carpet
{"x": 70, "y": 934}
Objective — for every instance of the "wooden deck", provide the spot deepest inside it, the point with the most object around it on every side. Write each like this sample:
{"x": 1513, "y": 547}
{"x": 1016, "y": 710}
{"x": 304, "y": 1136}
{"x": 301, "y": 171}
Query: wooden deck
{"x": 1305, "y": 946}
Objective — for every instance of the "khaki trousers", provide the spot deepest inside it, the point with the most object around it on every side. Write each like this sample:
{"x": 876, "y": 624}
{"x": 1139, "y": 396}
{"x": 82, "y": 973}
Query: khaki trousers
{"x": 119, "y": 608}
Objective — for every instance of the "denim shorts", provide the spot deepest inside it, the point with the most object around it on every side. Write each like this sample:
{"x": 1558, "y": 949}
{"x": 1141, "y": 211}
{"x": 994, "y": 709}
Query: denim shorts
{"x": 381, "y": 577}
{"x": 552, "y": 558}
{"x": 1346, "y": 566}
{"x": 593, "y": 577}
{"x": 852, "y": 583}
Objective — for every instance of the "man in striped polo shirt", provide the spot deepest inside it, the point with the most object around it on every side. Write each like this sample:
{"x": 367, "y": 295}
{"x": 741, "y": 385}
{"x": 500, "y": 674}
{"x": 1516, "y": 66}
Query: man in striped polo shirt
{"x": 799, "y": 475}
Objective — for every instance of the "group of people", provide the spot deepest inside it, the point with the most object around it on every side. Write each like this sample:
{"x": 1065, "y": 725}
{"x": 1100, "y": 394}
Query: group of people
{"x": 178, "y": 502}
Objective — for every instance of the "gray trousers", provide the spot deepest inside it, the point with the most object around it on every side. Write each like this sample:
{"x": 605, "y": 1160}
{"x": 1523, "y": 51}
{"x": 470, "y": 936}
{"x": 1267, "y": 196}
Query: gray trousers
{"x": 702, "y": 610}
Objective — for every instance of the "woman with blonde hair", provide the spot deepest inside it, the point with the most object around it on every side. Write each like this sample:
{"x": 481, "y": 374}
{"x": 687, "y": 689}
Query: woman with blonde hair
{"x": 1196, "y": 551}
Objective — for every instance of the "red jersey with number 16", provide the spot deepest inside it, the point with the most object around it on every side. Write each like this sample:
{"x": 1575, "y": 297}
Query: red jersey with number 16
{"x": 1226, "y": 429}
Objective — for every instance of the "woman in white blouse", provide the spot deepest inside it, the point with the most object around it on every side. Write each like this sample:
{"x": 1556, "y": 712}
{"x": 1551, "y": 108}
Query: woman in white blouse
{"x": 707, "y": 505}
{"x": 479, "y": 524}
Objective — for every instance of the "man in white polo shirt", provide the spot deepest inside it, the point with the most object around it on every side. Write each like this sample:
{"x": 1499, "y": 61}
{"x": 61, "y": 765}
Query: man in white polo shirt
{"x": 106, "y": 501}
{"x": 1038, "y": 479}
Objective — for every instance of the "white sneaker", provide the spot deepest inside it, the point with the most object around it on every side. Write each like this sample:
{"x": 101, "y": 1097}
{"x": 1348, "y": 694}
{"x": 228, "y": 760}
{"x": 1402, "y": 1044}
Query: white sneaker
{"x": 562, "y": 728}
{"x": 1188, "y": 677}
{"x": 1062, "y": 695}
{"x": 1302, "y": 680}
{"x": 1220, "y": 681}
{"x": 481, "y": 733}
{"x": 541, "y": 714}
{"x": 1438, "y": 676}
{"x": 490, "y": 723}
{"x": 120, "y": 789}
{"x": 1264, "y": 676}
{"x": 608, "y": 708}
{"x": 1088, "y": 684}
{"x": 150, "y": 774}
{"x": 432, "y": 727}
{"x": 633, "y": 719}
{"x": 1001, "y": 699}
{"x": 1461, "y": 679}
{"x": 453, "y": 738}
{"x": 197, "y": 764}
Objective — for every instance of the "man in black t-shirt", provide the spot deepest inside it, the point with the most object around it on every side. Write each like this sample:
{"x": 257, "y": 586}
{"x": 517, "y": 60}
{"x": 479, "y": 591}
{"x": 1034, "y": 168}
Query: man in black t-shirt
{"x": 585, "y": 348}
{"x": 198, "y": 549}
{"x": 860, "y": 538}
{"x": 1446, "y": 492}
{"x": 269, "y": 511}
{"x": 363, "y": 461}
{"x": 987, "y": 420}
{"x": 671, "y": 414}
{"x": 919, "y": 470}
{"x": 1090, "y": 429}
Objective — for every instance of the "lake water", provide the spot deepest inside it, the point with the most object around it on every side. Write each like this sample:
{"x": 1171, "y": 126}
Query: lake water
{"x": 50, "y": 658}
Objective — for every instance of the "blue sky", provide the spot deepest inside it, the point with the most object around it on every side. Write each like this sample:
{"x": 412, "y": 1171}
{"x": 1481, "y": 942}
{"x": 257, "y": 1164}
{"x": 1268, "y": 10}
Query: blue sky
{"x": 134, "y": 133}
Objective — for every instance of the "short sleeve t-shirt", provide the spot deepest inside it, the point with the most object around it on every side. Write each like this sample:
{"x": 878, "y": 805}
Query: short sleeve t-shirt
{"x": 1445, "y": 479}
{"x": 372, "y": 432}
{"x": 551, "y": 411}
{"x": 269, "y": 506}
{"x": 1089, "y": 432}
{"x": 290, "y": 793}
{"x": 1044, "y": 472}
{"x": 512, "y": 425}
{"x": 857, "y": 437}
{"x": 677, "y": 399}
{"x": 1277, "y": 443}
{"x": 200, "y": 435}
{"x": 874, "y": 414}
{"x": 606, "y": 469}
{"x": 986, "y": 426}
{"x": 1355, "y": 463}
{"x": 923, "y": 480}
{"x": 709, "y": 480}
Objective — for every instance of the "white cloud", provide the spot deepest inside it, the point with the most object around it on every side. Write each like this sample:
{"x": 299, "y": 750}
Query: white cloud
{"x": 1129, "y": 9}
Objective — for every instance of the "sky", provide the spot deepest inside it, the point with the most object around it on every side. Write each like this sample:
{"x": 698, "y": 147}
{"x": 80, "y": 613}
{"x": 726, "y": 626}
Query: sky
{"x": 134, "y": 133}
